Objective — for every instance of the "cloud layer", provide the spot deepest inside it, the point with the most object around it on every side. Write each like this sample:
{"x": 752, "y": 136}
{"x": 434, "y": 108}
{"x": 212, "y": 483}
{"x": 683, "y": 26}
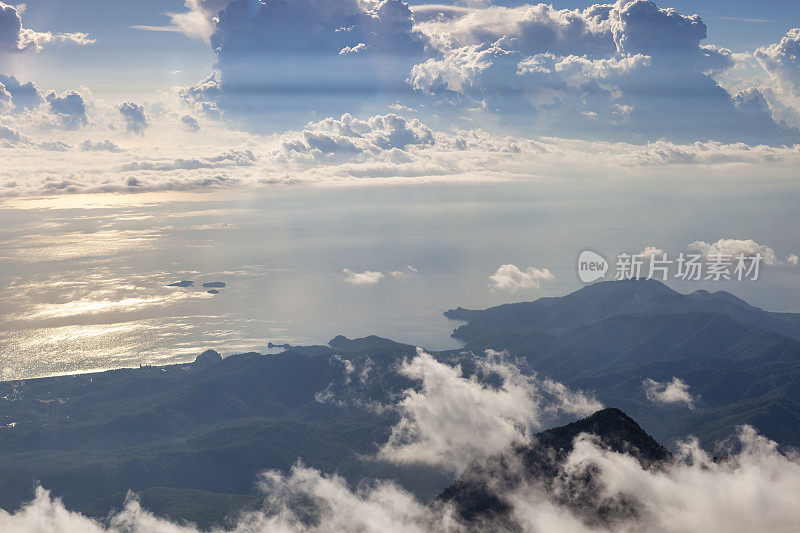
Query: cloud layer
{"x": 753, "y": 489}
{"x": 72, "y": 144}
{"x": 628, "y": 70}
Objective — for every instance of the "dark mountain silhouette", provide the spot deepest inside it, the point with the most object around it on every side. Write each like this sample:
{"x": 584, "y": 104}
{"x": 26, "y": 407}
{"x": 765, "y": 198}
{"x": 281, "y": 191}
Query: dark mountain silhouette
{"x": 207, "y": 358}
{"x": 598, "y": 301}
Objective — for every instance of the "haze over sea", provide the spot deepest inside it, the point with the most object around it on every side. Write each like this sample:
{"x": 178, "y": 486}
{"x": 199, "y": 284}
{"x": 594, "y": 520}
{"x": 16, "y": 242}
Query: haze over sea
{"x": 86, "y": 277}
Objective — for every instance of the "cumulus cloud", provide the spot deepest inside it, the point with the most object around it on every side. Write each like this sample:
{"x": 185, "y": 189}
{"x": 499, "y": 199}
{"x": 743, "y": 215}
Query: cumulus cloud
{"x": 670, "y": 392}
{"x": 134, "y": 116}
{"x": 9, "y": 135}
{"x": 752, "y": 490}
{"x": 628, "y": 70}
{"x": 346, "y": 150}
{"x": 350, "y": 136}
{"x": 258, "y": 46}
{"x": 230, "y": 158}
{"x": 735, "y": 247}
{"x": 343, "y": 150}
{"x": 368, "y": 277}
{"x": 458, "y": 69}
{"x": 190, "y": 123}
{"x": 577, "y": 70}
{"x": 781, "y": 61}
{"x": 23, "y": 95}
{"x": 69, "y": 107}
{"x": 454, "y": 419}
{"x": 5, "y": 100}
{"x": 511, "y": 278}
{"x": 403, "y": 273}
{"x": 15, "y": 38}
{"x": 650, "y": 251}
{"x": 792, "y": 259}
{"x": 574, "y": 67}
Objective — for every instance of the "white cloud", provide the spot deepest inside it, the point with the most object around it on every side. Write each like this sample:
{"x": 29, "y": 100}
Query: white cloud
{"x": 230, "y": 158}
{"x": 350, "y": 136}
{"x": 457, "y": 70}
{"x": 404, "y": 273}
{"x": 441, "y": 421}
{"x": 781, "y": 61}
{"x": 650, "y": 251}
{"x": 754, "y": 489}
{"x": 24, "y": 95}
{"x": 792, "y": 259}
{"x": 69, "y": 107}
{"x": 15, "y": 38}
{"x": 562, "y": 71}
{"x": 190, "y": 123}
{"x": 345, "y": 150}
{"x": 102, "y": 146}
{"x": 197, "y": 22}
{"x": 748, "y": 492}
{"x": 575, "y": 67}
{"x": 9, "y": 135}
{"x": 668, "y": 392}
{"x": 576, "y": 70}
{"x": 368, "y": 277}
{"x": 511, "y": 278}
{"x": 734, "y": 247}
{"x": 134, "y": 116}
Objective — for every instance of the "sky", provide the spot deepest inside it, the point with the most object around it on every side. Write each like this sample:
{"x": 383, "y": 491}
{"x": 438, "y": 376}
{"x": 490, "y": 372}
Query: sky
{"x": 360, "y": 166}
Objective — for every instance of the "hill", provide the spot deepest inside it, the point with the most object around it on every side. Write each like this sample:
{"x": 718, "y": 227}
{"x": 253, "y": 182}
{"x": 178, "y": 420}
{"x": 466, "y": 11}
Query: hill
{"x": 741, "y": 363}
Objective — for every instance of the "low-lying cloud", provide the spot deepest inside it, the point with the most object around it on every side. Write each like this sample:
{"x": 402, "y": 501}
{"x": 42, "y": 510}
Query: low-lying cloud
{"x": 367, "y": 277}
{"x": 371, "y": 277}
{"x": 452, "y": 419}
{"x": 511, "y": 278}
{"x": 675, "y": 391}
{"x": 382, "y": 149}
{"x": 735, "y": 247}
{"x": 455, "y": 419}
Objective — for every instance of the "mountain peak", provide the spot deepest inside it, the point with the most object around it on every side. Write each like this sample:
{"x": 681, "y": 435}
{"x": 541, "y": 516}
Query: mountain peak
{"x": 634, "y": 284}
{"x": 477, "y": 493}
{"x": 208, "y": 358}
